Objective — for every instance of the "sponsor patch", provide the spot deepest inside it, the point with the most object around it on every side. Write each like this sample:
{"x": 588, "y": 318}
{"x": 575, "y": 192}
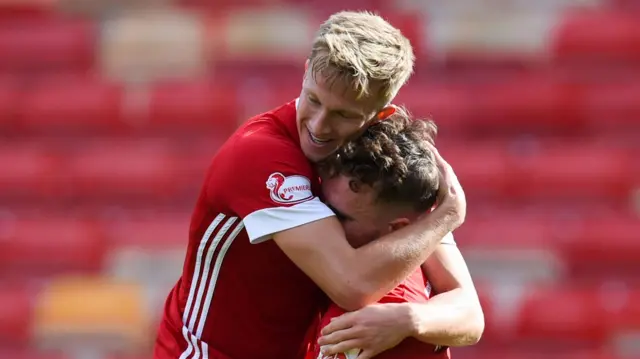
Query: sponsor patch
{"x": 289, "y": 189}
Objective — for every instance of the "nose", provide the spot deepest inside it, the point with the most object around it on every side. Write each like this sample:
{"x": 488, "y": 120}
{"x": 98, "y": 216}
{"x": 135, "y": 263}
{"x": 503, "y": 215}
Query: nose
{"x": 319, "y": 124}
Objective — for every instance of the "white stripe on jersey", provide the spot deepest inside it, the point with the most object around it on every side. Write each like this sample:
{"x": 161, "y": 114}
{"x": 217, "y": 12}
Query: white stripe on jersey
{"x": 203, "y": 278}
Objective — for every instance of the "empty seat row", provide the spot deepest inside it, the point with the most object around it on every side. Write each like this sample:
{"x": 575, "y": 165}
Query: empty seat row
{"x": 54, "y": 244}
{"x": 50, "y": 43}
{"x": 93, "y": 307}
{"x": 47, "y": 44}
{"x": 90, "y": 104}
{"x": 92, "y": 170}
{"x": 603, "y": 238}
{"x": 70, "y": 104}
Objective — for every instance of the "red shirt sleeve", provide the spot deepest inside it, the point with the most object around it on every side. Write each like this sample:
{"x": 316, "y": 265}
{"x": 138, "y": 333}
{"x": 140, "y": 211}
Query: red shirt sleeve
{"x": 264, "y": 178}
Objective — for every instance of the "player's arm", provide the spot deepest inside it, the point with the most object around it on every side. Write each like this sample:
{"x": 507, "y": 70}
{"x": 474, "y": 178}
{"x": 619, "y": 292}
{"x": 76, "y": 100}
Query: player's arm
{"x": 353, "y": 278}
{"x": 312, "y": 237}
{"x": 453, "y": 317}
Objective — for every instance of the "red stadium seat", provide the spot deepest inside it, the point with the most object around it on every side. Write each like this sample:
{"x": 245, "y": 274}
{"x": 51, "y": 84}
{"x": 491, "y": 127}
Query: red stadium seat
{"x": 617, "y": 38}
{"x": 16, "y": 315}
{"x": 158, "y": 232}
{"x": 625, "y": 311}
{"x": 530, "y": 102}
{"x": 8, "y": 98}
{"x": 71, "y": 104}
{"x": 27, "y": 170}
{"x": 10, "y": 9}
{"x": 574, "y": 171}
{"x": 571, "y": 170}
{"x": 603, "y": 240}
{"x": 445, "y": 104}
{"x": 45, "y": 246}
{"x": 122, "y": 169}
{"x": 194, "y": 106}
{"x": 566, "y": 314}
{"x": 595, "y": 313}
{"x": 485, "y": 171}
{"x": 32, "y": 354}
{"x": 46, "y": 44}
{"x": 510, "y": 232}
{"x": 612, "y": 105}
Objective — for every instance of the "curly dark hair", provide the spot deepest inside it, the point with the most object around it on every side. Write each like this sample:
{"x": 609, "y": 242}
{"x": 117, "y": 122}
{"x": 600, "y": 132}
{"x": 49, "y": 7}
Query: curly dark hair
{"x": 393, "y": 156}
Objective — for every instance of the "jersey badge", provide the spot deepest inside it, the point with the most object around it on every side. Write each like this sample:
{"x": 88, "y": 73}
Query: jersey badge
{"x": 289, "y": 189}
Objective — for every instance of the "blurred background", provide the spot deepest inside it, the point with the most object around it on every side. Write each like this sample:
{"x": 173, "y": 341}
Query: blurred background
{"x": 111, "y": 110}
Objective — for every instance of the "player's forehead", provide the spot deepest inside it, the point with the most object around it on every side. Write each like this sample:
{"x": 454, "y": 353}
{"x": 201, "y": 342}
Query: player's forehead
{"x": 338, "y": 94}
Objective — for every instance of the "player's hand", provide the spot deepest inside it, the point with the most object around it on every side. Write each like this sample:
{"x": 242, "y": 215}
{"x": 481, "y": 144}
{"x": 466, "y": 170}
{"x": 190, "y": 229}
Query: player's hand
{"x": 451, "y": 197}
{"x": 372, "y": 329}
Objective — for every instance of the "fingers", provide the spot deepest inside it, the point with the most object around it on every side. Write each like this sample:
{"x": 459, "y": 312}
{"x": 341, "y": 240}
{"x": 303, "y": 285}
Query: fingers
{"x": 338, "y": 323}
{"x": 342, "y": 347}
{"x": 336, "y": 337}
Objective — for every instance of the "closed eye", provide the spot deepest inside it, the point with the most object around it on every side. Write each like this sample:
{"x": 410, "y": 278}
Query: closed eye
{"x": 313, "y": 100}
{"x": 339, "y": 215}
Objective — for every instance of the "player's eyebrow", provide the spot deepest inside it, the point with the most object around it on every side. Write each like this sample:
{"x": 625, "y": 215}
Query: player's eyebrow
{"x": 338, "y": 214}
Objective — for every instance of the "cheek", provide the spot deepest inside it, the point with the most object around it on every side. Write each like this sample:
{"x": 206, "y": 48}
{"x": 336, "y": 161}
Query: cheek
{"x": 359, "y": 235}
{"x": 348, "y": 129}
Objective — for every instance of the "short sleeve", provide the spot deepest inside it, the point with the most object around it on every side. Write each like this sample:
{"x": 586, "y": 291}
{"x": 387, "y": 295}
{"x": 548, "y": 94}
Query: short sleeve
{"x": 269, "y": 183}
{"x": 448, "y": 239}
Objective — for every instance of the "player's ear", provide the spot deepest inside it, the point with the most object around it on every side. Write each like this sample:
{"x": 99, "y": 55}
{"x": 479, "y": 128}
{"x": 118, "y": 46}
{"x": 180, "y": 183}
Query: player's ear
{"x": 306, "y": 65}
{"x": 398, "y": 223}
{"x": 355, "y": 185}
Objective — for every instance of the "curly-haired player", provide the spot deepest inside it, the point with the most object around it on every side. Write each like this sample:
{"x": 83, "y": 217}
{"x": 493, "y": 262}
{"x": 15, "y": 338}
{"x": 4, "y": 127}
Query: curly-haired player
{"x": 377, "y": 184}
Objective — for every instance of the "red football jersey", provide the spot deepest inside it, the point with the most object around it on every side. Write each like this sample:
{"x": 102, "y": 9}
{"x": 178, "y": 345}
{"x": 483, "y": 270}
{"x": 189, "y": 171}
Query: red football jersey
{"x": 414, "y": 289}
{"x": 239, "y": 295}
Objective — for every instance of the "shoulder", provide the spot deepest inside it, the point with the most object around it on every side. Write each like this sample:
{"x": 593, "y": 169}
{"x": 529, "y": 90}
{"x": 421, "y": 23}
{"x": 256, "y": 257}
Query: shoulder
{"x": 265, "y": 135}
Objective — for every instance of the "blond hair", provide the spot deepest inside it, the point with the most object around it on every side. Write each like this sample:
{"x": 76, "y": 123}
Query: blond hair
{"x": 364, "y": 50}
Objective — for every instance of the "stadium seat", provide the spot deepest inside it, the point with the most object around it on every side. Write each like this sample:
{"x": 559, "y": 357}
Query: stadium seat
{"x": 16, "y": 307}
{"x": 124, "y": 170}
{"x": 603, "y": 240}
{"x": 152, "y": 233}
{"x": 530, "y": 102}
{"x": 45, "y": 246}
{"x": 32, "y": 354}
{"x": 515, "y": 232}
{"x": 90, "y": 313}
{"x": 46, "y": 44}
{"x": 570, "y": 314}
{"x": 617, "y": 38}
{"x": 612, "y": 104}
{"x": 8, "y": 99}
{"x": 10, "y": 9}
{"x": 574, "y": 171}
{"x": 29, "y": 170}
{"x": 71, "y": 104}
{"x": 485, "y": 171}
{"x": 446, "y": 104}
{"x": 194, "y": 106}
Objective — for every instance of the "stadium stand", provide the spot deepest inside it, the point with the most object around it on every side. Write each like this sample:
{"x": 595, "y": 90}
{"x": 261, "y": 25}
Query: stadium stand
{"x": 111, "y": 111}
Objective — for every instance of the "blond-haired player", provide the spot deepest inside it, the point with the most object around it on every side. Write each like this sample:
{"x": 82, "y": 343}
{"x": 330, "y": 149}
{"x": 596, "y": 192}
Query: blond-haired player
{"x": 263, "y": 249}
